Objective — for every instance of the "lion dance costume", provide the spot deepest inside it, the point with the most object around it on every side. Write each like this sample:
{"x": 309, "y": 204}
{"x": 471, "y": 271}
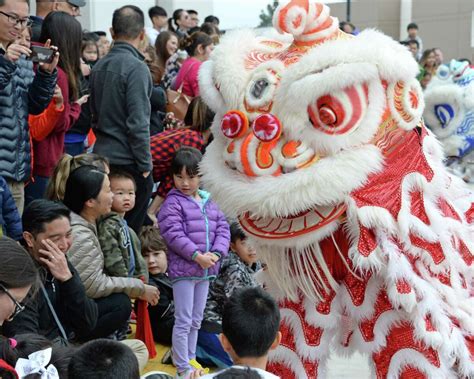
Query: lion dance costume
{"x": 321, "y": 153}
{"x": 449, "y": 113}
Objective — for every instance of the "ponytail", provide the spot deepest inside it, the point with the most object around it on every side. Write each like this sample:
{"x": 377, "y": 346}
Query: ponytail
{"x": 170, "y": 25}
{"x": 57, "y": 183}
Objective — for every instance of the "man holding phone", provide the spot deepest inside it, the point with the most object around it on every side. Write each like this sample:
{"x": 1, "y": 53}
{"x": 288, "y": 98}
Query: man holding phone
{"x": 22, "y": 92}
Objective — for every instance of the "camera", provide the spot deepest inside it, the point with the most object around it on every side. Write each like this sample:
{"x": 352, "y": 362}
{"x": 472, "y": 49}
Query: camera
{"x": 40, "y": 54}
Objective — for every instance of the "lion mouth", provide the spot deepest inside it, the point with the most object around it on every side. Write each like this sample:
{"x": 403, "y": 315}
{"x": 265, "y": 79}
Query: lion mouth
{"x": 293, "y": 225}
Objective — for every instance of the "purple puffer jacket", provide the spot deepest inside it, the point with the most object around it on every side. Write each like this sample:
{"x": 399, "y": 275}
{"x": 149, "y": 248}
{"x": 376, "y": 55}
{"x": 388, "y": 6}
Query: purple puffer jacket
{"x": 187, "y": 229}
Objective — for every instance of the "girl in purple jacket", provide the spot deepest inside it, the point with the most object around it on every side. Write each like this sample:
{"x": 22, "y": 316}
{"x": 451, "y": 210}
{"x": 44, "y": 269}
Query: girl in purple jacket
{"x": 197, "y": 235}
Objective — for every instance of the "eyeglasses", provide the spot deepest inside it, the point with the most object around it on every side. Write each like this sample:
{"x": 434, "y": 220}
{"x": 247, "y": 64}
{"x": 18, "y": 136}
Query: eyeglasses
{"x": 18, "y": 21}
{"x": 18, "y": 307}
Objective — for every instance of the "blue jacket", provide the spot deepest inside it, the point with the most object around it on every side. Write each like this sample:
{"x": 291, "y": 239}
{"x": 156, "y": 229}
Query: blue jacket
{"x": 21, "y": 92}
{"x": 10, "y": 221}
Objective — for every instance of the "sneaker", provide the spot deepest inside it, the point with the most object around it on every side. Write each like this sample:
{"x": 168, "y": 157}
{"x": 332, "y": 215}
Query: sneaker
{"x": 167, "y": 358}
{"x": 194, "y": 363}
{"x": 156, "y": 375}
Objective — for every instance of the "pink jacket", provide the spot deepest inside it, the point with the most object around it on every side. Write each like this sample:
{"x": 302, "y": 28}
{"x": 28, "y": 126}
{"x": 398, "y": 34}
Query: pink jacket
{"x": 188, "y": 75}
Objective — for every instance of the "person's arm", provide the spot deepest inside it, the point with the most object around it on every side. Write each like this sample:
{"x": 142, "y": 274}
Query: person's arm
{"x": 71, "y": 110}
{"x": 110, "y": 232}
{"x": 222, "y": 235}
{"x": 86, "y": 257}
{"x": 154, "y": 208}
{"x": 193, "y": 81}
{"x": 138, "y": 92}
{"x": 43, "y": 124}
{"x": 7, "y": 69}
{"x": 237, "y": 279}
{"x": 41, "y": 91}
{"x": 11, "y": 216}
{"x": 170, "y": 220}
{"x": 81, "y": 311}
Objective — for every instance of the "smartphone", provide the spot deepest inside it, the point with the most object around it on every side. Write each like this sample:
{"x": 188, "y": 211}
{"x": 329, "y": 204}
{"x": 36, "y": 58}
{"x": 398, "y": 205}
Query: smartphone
{"x": 40, "y": 54}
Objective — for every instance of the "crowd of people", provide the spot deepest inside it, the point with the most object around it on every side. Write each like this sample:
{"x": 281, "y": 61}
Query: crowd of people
{"x": 100, "y": 202}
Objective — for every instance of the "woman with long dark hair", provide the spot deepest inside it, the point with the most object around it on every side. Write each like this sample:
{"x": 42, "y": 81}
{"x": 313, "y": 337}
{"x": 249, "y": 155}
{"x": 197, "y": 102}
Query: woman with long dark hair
{"x": 199, "y": 47}
{"x": 65, "y": 32}
{"x": 89, "y": 197}
{"x": 165, "y": 46}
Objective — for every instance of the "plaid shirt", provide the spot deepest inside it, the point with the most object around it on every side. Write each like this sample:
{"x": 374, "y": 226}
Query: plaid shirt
{"x": 163, "y": 146}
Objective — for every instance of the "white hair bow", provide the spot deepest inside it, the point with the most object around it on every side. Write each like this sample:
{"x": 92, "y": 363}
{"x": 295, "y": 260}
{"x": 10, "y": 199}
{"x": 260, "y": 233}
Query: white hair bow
{"x": 36, "y": 364}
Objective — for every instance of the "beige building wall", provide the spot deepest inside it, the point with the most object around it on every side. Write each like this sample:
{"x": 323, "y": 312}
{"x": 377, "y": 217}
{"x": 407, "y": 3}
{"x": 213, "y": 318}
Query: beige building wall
{"x": 447, "y": 24}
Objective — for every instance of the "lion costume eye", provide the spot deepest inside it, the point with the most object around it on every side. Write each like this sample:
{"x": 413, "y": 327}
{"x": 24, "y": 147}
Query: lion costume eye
{"x": 261, "y": 90}
{"x": 340, "y": 112}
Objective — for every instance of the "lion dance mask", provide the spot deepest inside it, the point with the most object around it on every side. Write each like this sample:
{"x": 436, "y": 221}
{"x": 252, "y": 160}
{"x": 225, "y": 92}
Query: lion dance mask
{"x": 321, "y": 153}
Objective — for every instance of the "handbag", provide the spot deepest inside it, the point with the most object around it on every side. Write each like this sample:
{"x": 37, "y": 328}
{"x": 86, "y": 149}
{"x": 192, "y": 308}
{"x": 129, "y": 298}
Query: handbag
{"x": 177, "y": 101}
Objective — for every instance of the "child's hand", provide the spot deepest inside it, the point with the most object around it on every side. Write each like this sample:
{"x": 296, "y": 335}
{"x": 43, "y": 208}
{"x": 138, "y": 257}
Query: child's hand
{"x": 205, "y": 260}
{"x": 213, "y": 256}
{"x": 58, "y": 97}
{"x": 151, "y": 295}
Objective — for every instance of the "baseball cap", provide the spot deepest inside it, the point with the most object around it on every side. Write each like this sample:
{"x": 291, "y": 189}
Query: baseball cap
{"x": 77, "y": 3}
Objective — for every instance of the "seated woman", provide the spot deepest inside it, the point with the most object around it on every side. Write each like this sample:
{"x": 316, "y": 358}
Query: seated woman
{"x": 237, "y": 271}
{"x": 88, "y": 196}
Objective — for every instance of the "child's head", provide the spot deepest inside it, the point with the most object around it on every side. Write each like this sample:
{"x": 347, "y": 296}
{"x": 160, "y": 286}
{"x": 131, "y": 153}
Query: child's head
{"x": 123, "y": 187}
{"x": 89, "y": 48}
{"x": 185, "y": 170}
{"x": 240, "y": 245}
{"x": 24, "y": 39}
{"x": 104, "y": 359}
{"x": 250, "y": 323}
{"x": 23, "y": 345}
{"x": 153, "y": 250}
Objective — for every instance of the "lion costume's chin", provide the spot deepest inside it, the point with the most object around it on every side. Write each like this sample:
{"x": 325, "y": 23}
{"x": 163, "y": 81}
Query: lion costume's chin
{"x": 288, "y": 196}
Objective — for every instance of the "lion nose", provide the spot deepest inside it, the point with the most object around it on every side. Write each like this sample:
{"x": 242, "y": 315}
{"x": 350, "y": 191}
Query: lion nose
{"x": 266, "y": 127}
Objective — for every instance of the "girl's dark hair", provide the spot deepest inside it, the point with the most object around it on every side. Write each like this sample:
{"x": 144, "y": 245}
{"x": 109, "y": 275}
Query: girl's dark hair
{"x": 199, "y": 116}
{"x": 83, "y": 184}
{"x": 65, "y": 32}
{"x": 160, "y": 47}
{"x": 173, "y": 20}
{"x": 187, "y": 158}
{"x": 17, "y": 269}
{"x": 191, "y": 43}
{"x": 31, "y": 343}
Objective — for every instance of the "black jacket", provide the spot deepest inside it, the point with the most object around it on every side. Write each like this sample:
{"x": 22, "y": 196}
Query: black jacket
{"x": 78, "y": 314}
{"x": 121, "y": 87}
